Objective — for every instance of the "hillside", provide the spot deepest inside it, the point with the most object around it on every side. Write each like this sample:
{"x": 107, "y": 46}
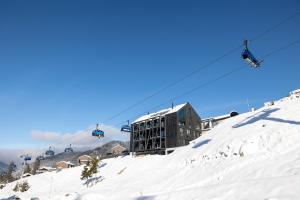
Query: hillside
{"x": 255, "y": 155}
{"x": 73, "y": 156}
{"x": 3, "y": 166}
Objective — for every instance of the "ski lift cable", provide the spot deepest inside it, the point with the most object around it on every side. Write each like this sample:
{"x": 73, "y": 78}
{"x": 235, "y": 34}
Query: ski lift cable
{"x": 221, "y": 77}
{"x": 202, "y": 67}
{"x": 212, "y": 81}
{"x": 280, "y": 49}
{"x": 175, "y": 82}
{"x": 208, "y": 82}
{"x": 275, "y": 26}
{"x": 272, "y": 28}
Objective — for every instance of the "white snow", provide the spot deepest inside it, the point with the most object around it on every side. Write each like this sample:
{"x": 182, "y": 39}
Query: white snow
{"x": 255, "y": 155}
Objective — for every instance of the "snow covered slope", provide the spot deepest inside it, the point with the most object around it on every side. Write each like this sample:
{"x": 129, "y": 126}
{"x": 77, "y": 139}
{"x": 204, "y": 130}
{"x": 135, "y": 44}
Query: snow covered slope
{"x": 255, "y": 155}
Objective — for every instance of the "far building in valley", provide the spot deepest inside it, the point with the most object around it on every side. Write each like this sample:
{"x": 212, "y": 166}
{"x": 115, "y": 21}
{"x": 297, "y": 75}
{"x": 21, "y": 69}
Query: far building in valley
{"x": 162, "y": 131}
{"x": 64, "y": 164}
{"x": 45, "y": 169}
{"x": 84, "y": 159}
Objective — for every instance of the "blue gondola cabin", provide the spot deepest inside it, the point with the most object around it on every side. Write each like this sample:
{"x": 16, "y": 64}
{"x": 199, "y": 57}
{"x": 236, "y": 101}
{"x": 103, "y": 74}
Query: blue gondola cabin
{"x": 126, "y": 128}
{"x": 98, "y": 133}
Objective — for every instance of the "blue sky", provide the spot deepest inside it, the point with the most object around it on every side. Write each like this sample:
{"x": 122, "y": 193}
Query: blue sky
{"x": 66, "y": 65}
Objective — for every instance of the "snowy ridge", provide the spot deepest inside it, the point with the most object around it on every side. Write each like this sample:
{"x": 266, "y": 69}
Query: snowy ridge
{"x": 255, "y": 155}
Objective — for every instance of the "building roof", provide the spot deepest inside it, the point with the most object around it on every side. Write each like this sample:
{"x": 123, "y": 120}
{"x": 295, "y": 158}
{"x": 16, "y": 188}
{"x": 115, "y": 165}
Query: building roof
{"x": 66, "y": 162}
{"x": 46, "y": 168}
{"x": 160, "y": 113}
{"x": 86, "y": 156}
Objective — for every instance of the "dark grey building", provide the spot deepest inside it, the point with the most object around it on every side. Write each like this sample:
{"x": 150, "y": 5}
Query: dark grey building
{"x": 169, "y": 128}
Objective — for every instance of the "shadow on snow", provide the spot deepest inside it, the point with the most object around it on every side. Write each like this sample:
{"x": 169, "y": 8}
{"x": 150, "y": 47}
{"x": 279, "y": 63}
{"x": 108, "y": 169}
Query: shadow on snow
{"x": 93, "y": 181}
{"x": 145, "y": 198}
{"x": 201, "y": 143}
{"x": 264, "y": 115}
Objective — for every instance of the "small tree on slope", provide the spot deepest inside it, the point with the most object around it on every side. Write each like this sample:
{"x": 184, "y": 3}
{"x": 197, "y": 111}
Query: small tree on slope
{"x": 24, "y": 186}
{"x": 27, "y": 169}
{"x": 17, "y": 187}
{"x": 11, "y": 168}
{"x": 36, "y": 166}
{"x": 85, "y": 173}
{"x": 90, "y": 169}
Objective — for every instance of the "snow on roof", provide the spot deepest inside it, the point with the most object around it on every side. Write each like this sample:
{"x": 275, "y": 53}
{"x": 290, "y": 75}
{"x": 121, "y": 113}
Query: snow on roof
{"x": 47, "y": 168}
{"x": 66, "y": 162}
{"x": 219, "y": 117}
{"x": 87, "y": 156}
{"x": 222, "y": 117}
{"x": 160, "y": 113}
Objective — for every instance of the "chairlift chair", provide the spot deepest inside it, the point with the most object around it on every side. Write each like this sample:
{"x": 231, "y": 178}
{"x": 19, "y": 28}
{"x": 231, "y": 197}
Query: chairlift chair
{"x": 249, "y": 57}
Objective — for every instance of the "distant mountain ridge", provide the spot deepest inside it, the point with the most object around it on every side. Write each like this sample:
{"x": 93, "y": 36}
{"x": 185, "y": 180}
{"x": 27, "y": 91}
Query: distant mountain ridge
{"x": 73, "y": 156}
{"x": 3, "y": 166}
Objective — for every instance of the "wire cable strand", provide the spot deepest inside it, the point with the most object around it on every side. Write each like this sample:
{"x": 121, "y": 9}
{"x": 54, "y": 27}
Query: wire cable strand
{"x": 221, "y": 76}
{"x": 202, "y": 67}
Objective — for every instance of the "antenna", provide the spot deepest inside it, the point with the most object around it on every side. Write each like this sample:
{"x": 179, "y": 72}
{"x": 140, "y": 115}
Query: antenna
{"x": 248, "y": 104}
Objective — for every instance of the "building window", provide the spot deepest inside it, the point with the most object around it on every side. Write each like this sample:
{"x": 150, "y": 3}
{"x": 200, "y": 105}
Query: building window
{"x": 181, "y": 117}
{"x": 181, "y": 131}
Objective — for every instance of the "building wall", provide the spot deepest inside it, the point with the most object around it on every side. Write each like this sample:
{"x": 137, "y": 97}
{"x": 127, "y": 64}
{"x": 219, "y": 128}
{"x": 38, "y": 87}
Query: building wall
{"x": 63, "y": 165}
{"x": 171, "y": 130}
{"x": 188, "y": 126}
{"x": 148, "y": 135}
{"x": 84, "y": 159}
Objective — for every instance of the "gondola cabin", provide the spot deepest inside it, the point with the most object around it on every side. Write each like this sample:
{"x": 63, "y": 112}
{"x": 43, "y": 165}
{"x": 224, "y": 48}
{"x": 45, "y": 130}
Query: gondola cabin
{"x": 27, "y": 158}
{"x": 69, "y": 149}
{"x": 126, "y": 128}
{"x": 98, "y": 133}
{"x": 40, "y": 158}
{"x": 50, "y": 152}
